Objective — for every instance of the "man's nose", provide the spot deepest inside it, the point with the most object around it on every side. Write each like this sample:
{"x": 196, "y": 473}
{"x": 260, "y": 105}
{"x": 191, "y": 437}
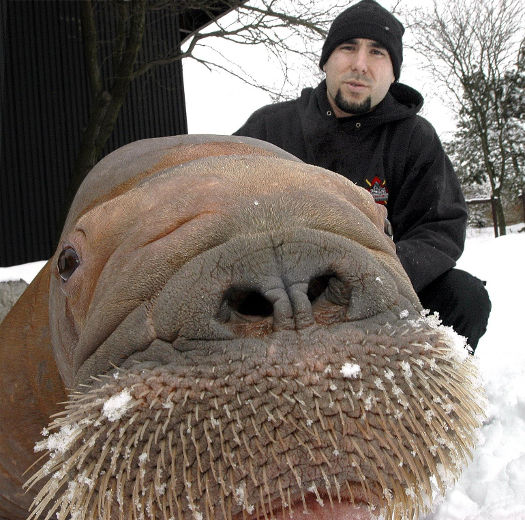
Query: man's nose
{"x": 360, "y": 61}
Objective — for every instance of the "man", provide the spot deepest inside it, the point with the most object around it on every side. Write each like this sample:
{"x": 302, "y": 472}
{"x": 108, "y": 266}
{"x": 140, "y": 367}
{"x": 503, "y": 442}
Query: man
{"x": 362, "y": 123}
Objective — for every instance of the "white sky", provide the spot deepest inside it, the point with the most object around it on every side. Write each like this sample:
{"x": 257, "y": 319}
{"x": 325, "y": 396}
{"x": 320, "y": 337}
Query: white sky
{"x": 218, "y": 103}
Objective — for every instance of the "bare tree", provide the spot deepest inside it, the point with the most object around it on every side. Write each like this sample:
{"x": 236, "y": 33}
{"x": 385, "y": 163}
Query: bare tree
{"x": 468, "y": 46}
{"x": 282, "y": 26}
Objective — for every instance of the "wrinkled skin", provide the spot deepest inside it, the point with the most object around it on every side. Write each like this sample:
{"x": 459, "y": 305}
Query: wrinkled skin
{"x": 256, "y": 346}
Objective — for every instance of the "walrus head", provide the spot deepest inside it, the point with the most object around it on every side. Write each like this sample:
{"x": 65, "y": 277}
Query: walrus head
{"x": 243, "y": 343}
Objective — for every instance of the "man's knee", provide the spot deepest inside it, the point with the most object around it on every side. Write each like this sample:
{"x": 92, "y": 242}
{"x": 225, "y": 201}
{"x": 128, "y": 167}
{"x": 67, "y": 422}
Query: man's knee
{"x": 462, "y": 302}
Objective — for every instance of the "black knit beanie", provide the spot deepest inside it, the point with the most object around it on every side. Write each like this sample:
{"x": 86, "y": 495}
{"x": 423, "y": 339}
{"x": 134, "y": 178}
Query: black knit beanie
{"x": 367, "y": 19}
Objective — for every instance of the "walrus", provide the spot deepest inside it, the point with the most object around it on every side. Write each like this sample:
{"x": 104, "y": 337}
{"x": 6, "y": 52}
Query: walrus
{"x": 225, "y": 332}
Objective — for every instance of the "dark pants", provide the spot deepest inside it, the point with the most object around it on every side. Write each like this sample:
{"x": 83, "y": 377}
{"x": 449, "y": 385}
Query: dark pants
{"x": 462, "y": 302}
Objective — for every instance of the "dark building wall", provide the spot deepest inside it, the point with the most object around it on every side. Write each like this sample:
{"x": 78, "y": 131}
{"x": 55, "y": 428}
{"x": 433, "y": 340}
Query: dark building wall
{"x": 45, "y": 105}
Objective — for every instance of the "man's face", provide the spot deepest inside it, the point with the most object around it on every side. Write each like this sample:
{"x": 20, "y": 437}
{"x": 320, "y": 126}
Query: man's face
{"x": 358, "y": 75}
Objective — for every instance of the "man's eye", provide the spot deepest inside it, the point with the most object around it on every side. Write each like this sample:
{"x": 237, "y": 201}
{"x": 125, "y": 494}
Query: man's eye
{"x": 68, "y": 261}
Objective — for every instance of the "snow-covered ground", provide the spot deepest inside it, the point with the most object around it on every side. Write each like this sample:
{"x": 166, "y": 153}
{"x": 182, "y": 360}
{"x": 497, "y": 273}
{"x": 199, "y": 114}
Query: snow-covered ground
{"x": 21, "y": 272}
{"x": 493, "y": 485}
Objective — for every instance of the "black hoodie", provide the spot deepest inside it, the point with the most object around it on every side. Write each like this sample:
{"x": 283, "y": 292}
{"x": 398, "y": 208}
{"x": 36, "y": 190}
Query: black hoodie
{"x": 392, "y": 152}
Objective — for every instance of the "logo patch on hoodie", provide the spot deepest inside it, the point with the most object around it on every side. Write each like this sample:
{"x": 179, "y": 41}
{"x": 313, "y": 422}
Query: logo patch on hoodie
{"x": 378, "y": 190}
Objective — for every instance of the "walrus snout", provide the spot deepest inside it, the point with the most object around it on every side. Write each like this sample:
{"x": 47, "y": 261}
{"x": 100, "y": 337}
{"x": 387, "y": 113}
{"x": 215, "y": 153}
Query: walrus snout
{"x": 261, "y": 285}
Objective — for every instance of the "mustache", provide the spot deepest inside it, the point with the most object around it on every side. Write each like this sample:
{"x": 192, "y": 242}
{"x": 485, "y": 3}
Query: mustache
{"x": 357, "y": 78}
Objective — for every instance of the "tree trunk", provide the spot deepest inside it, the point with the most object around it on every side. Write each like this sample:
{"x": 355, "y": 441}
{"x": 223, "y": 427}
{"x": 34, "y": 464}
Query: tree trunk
{"x": 107, "y": 102}
{"x": 500, "y": 215}
{"x": 494, "y": 216}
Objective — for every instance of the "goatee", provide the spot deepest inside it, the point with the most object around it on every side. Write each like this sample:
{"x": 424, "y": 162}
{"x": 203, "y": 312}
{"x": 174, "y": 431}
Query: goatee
{"x": 352, "y": 108}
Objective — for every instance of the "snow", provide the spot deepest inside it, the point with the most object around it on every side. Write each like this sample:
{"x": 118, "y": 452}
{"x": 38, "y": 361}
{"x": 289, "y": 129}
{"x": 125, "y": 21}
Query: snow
{"x": 58, "y": 442}
{"x": 350, "y": 370}
{"x": 117, "y": 405}
{"x": 459, "y": 347}
{"x": 24, "y": 272}
{"x": 492, "y": 487}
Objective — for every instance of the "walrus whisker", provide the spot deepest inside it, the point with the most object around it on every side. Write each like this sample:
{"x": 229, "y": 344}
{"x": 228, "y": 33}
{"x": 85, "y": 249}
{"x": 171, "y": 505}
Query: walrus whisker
{"x": 452, "y": 380}
{"x": 439, "y": 411}
{"x": 199, "y": 467}
{"x": 356, "y": 446}
{"x": 398, "y": 470}
{"x": 421, "y": 448}
{"x": 153, "y": 402}
{"x": 350, "y": 492}
{"x": 473, "y": 408}
{"x": 415, "y": 465}
{"x": 437, "y": 434}
{"x": 266, "y": 490}
{"x": 411, "y": 507}
{"x": 379, "y": 464}
{"x": 262, "y": 504}
{"x": 319, "y": 415}
{"x": 222, "y": 491}
{"x": 306, "y": 447}
{"x": 32, "y": 467}
{"x": 53, "y": 510}
{"x": 327, "y": 488}
{"x": 363, "y": 481}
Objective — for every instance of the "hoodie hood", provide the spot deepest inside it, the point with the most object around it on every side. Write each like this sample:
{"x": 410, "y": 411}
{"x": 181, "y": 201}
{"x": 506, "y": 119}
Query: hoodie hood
{"x": 407, "y": 98}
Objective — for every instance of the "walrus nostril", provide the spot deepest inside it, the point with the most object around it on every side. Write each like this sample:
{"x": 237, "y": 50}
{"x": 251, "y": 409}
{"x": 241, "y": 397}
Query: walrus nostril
{"x": 331, "y": 287}
{"x": 318, "y": 286}
{"x": 248, "y": 302}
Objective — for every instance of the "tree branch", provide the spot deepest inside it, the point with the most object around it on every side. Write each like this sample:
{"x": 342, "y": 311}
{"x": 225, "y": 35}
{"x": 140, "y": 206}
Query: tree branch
{"x": 90, "y": 38}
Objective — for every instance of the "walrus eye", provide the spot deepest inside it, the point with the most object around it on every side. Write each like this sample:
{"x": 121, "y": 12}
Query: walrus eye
{"x": 388, "y": 228}
{"x": 67, "y": 263}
